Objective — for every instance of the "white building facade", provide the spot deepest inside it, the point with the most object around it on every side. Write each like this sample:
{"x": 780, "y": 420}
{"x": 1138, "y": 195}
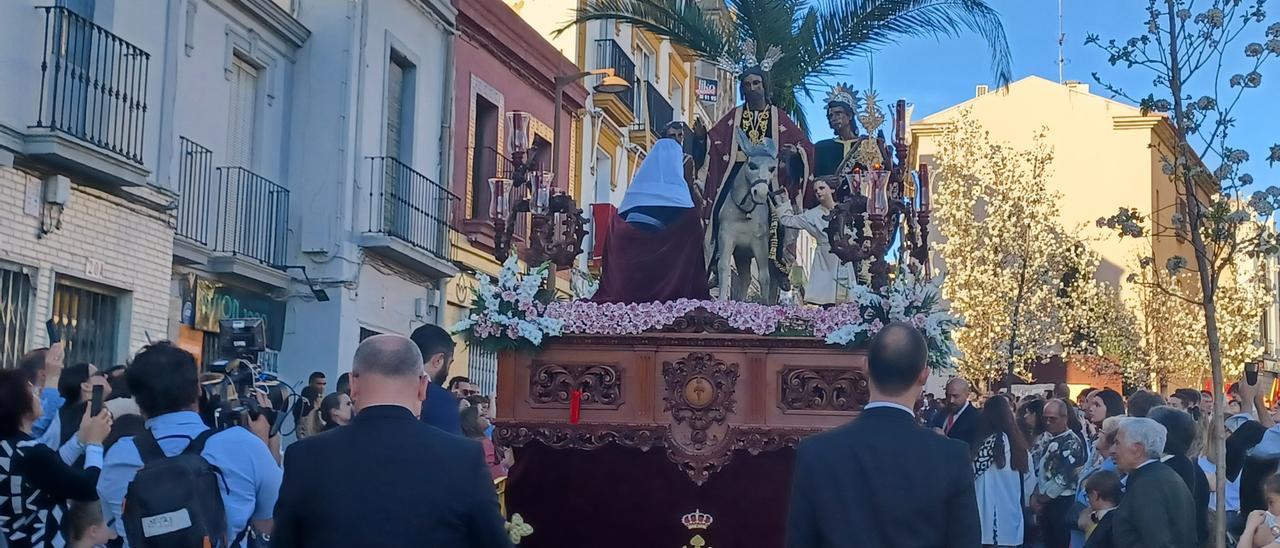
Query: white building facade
{"x": 248, "y": 158}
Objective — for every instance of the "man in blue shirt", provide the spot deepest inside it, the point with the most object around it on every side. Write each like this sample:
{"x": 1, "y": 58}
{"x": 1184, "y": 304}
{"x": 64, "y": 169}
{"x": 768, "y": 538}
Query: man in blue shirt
{"x": 164, "y": 379}
{"x": 440, "y": 409}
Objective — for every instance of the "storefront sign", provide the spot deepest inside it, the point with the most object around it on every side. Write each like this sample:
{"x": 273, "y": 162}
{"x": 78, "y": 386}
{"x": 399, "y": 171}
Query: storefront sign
{"x": 708, "y": 90}
{"x": 215, "y": 302}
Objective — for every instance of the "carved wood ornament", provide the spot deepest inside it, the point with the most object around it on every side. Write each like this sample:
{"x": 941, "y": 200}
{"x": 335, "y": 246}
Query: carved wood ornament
{"x": 550, "y": 385}
{"x": 812, "y": 389}
{"x": 700, "y": 397}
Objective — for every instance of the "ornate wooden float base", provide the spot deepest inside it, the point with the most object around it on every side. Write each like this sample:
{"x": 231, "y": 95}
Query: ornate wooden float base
{"x": 680, "y": 434}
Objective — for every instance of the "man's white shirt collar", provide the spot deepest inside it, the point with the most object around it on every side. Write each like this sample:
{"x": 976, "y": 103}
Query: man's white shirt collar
{"x": 876, "y": 404}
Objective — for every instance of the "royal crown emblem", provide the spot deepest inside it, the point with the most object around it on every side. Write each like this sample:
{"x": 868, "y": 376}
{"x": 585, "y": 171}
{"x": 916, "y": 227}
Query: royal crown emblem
{"x": 697, "y": 520}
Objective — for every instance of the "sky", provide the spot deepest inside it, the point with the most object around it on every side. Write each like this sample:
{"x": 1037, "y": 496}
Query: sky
{"x": 937, "y": 73}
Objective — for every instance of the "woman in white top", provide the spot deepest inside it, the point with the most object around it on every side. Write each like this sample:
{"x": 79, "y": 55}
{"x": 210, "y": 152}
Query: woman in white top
{"x": 1001, "y": 465}
{"x": 826, "y": 273}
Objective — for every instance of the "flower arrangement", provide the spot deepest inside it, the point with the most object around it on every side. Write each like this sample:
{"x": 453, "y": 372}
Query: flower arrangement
{"x": 507, "y": 314}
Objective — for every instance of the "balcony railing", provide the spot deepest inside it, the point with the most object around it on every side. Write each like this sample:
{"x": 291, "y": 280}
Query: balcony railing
{"x": 93, "y": 84}
{"x": 195, "y": 190}
{"x": 610, "y": 55}
{"x": 659, "y": 110}
{"x": 254, "y": 215}
{"x": 407, "y": 205}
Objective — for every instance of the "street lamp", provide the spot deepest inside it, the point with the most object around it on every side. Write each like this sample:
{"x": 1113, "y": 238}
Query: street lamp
{"x": 611, "y": 84}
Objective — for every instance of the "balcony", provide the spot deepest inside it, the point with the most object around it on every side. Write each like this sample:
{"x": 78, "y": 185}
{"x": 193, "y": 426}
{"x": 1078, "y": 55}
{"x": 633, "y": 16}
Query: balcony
{"x": 660, "y": 112}
{"x": 195, "y": 185}
{"x": 620, "y": 107}
{"x": 478, "y": 225}
{"x": 409, "y": 217}
{"x": 93, "y": 87}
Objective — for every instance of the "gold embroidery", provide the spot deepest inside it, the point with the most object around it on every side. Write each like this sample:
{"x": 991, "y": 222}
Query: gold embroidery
{"x": 755, "y": 125}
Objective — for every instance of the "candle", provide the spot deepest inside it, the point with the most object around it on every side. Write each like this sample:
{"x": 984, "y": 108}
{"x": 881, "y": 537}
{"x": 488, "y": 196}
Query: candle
{"x": 924, "y": 188}
{"x": 542, "y": 200}
{"x": 879, "y": 195}
{"x": 900, "y": 123}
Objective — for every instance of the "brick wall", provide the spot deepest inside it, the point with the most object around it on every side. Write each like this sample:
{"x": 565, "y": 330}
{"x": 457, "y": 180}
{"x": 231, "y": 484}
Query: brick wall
{"x": 133, "y": 243}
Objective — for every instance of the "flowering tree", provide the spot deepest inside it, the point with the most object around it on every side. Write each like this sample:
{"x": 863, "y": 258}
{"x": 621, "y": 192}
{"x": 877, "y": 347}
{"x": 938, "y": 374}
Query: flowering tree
{"x": 1101, "y": 330}
{"x": 1003, "y": 247}
{"x": 1186, "y": 45}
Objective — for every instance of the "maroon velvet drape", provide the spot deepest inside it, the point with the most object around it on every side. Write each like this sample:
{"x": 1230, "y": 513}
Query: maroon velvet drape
{"x": 640, "y": 266}
{"x": 627, "y": 498}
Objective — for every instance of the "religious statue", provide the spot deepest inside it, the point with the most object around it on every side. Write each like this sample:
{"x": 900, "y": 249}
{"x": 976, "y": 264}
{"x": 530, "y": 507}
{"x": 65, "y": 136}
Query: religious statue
{"x": 839, "y": 155}
{"x": 741, "y": 141}
{"x": 828, "y": 277}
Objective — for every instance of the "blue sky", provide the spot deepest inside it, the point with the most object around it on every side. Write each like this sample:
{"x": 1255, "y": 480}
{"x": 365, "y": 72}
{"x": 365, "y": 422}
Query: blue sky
{"x": 935, "y": 74}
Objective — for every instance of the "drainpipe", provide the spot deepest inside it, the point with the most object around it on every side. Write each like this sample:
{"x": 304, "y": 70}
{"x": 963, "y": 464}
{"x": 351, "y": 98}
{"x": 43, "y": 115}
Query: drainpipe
{"x": 446, "y": 147}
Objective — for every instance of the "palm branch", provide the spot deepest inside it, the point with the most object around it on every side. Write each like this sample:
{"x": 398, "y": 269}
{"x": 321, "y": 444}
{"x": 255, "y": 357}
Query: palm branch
{"x": 817, "y": 36}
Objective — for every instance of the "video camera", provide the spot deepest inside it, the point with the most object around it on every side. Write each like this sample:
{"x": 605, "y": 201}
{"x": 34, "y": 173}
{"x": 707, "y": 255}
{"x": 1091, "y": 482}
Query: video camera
{"x": 229, "y": 390}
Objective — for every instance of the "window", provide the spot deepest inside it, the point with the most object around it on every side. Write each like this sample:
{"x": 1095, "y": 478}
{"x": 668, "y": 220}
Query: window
{"x": 16, "y": 291}
{"x": 88, "y": 320}
{"x": 484, "y": 156}
{"x": 644, "y": 73}
{"x": 244, "y": 103}
{"x": 677, "y": 100}
{"x": 399, "y": 117}
{"x": 482, "y": 369}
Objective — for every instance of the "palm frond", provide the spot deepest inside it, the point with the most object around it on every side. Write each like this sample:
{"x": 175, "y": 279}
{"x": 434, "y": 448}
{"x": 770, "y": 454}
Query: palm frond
{"x": 682, "y": 22}
{"x": 849, "y": 28}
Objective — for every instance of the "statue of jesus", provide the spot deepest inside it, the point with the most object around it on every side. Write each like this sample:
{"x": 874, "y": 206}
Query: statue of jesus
{"x": 757, "y": 121}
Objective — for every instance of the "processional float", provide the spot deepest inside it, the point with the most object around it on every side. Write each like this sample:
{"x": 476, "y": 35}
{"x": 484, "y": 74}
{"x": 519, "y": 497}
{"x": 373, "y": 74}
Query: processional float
{"x": 674, "y": 424}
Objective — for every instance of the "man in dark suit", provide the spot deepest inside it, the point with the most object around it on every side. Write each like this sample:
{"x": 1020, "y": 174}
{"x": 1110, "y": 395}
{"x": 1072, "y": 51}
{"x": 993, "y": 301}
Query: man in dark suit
{"x": 958, "y": 419}
{"x": 387, "y": 479}
{"x": 440, "y": 409}
{"x": 1157, "y": 509}
{"x": 1180, "y": 430}
{"x": 883, "y": 481}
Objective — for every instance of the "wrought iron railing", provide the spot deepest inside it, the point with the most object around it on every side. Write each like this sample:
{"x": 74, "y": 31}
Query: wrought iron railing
{"x": 254, "y": 216}
{"x": 611, "y": 55}
{"x": 93, "y": 84}
{"x": 659, "y": 110}
{"x": 410, "y": 206}
{"x": 195, "y": 190}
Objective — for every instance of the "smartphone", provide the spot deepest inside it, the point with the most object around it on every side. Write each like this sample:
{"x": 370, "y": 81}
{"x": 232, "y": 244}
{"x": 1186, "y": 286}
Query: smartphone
{"x": 1251, "y": 373}
{"x": 95, "y": 405}
{"x": 54, "y": 337}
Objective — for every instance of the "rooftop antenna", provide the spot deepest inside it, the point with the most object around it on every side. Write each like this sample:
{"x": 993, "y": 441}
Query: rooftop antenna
{"x": 1062, "y": 40}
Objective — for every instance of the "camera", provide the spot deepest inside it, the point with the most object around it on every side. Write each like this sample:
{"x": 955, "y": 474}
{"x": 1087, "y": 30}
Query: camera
{"x": 229, "y": 390}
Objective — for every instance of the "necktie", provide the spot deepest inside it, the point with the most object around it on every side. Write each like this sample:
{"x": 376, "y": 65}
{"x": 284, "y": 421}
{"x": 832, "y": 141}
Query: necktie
{"x": 951, "y": 420}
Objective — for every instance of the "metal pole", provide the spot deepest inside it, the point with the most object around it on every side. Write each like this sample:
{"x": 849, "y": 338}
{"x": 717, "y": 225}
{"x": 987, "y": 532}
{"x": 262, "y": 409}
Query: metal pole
{"x": 555, "y": 132}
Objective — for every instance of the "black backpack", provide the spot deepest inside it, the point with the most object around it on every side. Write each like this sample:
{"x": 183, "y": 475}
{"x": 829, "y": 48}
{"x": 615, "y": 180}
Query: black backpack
{"x": 175, "y": 501}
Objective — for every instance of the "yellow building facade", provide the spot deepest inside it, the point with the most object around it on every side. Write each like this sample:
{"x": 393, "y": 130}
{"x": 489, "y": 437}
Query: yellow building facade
{"x": 1107, "y": 155}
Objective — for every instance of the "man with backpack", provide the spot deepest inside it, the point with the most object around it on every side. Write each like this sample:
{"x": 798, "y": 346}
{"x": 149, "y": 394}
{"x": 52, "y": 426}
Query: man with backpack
{"x": 180, "y": 483}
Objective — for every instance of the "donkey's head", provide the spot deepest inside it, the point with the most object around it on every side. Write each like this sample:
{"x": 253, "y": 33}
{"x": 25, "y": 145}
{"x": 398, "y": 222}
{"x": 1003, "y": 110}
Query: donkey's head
{"x": 761, "y": 168}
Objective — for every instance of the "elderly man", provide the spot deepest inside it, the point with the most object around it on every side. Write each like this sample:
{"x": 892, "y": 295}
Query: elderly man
{"x": 958, "y": 419}
{"x": 1157, "y": 509}
{"x": 1059, "y": 454}
{"x": 402, "y": 482}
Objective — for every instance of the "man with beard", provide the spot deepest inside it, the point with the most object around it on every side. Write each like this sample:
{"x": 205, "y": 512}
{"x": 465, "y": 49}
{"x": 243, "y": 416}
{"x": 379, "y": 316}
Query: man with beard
{"x": 440, "y": 408}
{"x": 837, "y": 156}
{"x": 756, "y": 120}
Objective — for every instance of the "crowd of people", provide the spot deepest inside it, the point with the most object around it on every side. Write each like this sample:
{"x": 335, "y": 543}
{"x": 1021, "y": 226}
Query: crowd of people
{"x": 93, "y": 457}
{"x": 90, "y": 457}
{"x": 1102, "y": 470}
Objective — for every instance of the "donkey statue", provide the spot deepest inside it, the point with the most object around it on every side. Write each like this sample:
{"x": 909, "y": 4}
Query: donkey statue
{"x": 744, "y": 225}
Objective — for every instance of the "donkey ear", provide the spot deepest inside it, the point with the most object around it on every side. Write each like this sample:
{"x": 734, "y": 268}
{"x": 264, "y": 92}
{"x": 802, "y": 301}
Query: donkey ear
{"x": 743, "y": 141}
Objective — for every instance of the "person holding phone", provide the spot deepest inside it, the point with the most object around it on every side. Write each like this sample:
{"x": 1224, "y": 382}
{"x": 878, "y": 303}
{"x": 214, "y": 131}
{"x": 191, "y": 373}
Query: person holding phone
{"x": 32, "y": 475}
{"x": 77, "y": 386}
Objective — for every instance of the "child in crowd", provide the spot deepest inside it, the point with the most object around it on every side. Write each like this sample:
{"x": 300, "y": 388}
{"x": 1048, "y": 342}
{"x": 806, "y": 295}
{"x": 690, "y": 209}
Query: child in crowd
{"x": 1104, "y": 491}
{"x": 1262, "y": 529}
{"x": 83, "y": 526}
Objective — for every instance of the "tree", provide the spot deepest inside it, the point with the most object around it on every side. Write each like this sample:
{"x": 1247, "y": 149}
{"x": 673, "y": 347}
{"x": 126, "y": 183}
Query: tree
{"x": 1174, "y": 349}
{"x": 815, "y": 36}
{"x": 1186, "y": 46}
{"x": 1004, "y": 248}
{"x": 1102, "y": 332}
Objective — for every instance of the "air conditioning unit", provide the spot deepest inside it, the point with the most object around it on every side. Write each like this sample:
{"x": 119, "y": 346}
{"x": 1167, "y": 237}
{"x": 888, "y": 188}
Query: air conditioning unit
{"x": 982, "y": 90}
